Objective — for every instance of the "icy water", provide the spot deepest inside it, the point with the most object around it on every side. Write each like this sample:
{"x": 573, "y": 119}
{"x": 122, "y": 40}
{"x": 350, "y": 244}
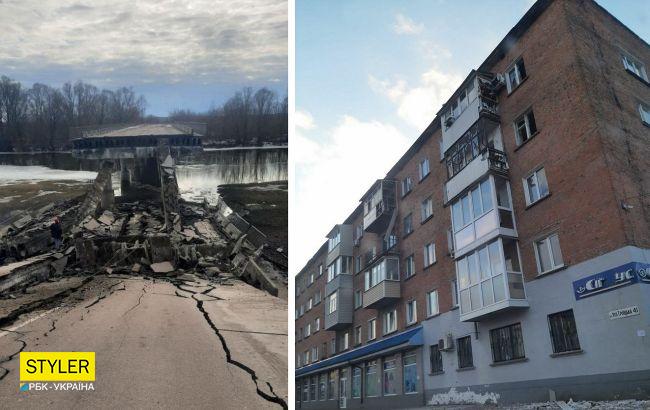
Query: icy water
{"x": 199, "y": 175}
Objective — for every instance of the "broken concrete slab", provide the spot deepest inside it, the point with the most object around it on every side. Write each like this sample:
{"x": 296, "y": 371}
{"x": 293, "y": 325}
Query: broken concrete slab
{"x": 22, "y": 222}
{"x": 162, "y": 267}
{"x": 92, "y": 225}
{"x": 107, "y": 218}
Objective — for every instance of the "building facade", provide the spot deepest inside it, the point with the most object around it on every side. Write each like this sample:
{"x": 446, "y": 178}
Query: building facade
{"x": 506, "y": 256}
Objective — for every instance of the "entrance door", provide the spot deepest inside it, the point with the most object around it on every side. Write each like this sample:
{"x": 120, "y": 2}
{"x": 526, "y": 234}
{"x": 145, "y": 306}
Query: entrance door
{"x": 343, "y": 392}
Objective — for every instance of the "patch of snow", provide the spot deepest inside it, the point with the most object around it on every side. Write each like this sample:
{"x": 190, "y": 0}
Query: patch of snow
{"x": 8, "y": 199}
{"x": 464, "y": 397}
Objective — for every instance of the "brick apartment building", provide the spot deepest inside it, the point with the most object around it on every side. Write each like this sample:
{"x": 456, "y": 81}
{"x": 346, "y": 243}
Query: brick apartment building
{"x": 506, "y": 255}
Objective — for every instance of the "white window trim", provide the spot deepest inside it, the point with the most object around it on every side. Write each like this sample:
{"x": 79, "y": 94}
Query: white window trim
{"x": 529, "y": 134}
{"x": 426, "y": 205}
{"x": 421, "y": 174}
{"x": 526, "y": 188}
{"x": 644, "y": 109}
{"x": 385, "y": 329}
{"x": 374, "y": 328}
{"x": 513, "y": 66}
{"x": 415, "y": 312}
{"x": 546, "y": 239}
{"x": 411, "y": 257}
{"x": 430, "y": 313}
{"x": 642, "y": 67}
{"x": 427, "y": 262}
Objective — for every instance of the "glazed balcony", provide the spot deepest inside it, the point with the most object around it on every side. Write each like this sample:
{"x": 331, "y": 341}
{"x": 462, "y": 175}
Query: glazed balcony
{"x": 378, "y": 205}
{"x": 382, "y": 284}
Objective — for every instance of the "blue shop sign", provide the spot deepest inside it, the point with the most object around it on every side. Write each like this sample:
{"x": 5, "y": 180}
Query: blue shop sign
{"x": 633, "y": 272}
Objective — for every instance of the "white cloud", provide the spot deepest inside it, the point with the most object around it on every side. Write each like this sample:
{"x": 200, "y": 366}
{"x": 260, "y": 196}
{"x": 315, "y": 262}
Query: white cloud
{"x": 418, "y": 105}
{"x": 405, "y": 25}
{"x": 169, "y": 41}
{"x": 333, "y": 169}
{"x": 304, "y": 120}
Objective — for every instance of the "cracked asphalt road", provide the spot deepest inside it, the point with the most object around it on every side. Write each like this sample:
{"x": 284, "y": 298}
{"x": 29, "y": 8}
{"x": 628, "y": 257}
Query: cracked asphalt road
{"x": 186, "y": 343}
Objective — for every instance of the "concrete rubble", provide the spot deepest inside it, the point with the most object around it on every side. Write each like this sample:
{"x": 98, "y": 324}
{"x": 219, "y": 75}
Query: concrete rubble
{"x": 155, "y": 233}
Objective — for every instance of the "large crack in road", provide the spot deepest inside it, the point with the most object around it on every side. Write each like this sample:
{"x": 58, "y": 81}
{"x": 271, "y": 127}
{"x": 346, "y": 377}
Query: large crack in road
{"x": 274, "y": 398}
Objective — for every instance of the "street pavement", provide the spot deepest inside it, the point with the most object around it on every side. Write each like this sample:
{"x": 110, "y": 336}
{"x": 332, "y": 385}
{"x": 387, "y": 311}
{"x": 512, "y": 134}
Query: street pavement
{"x": 159, "y": 343}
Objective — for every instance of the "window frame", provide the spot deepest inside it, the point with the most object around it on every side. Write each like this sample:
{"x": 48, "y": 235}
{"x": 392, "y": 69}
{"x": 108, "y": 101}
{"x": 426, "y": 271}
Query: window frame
{"x": 393, "y": 372}
{"x": 358, "y": 331}
{"x": 464, "y": 364}
{"x": 535, "y": 174}
{"x": 334, "y": 296}
{"x": 644, "y": 112}
{"x": 409, "y": 265}
{"x": 426, "y": 254}
{"x": 360, "y": 299}
{"x": 554, "y": 346}
{"x": 518, "y": 77}
{"x": 409, "y": 356}
{"x": 386, "y": 321}
{"x": 439, "y": 365}
{"x": 411, "y": 308}
{"x": 421, "y": 174}
{"x": 631, "y": 64}
{"x": 511, "y": 338}
{"x": 372, "y": 329}
{"x": 529, "y": 134}
{"x": 408, "y": 218}
{"x": 407, "y": 185}
{"x": 430, "y": 312}
{"x": 552, "y": 256}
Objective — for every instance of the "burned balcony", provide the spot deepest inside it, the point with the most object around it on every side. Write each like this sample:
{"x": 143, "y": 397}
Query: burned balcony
{"x": 378, "y": 206}
{"x": 382, "y": 284}
{"x": 475, "y": 99}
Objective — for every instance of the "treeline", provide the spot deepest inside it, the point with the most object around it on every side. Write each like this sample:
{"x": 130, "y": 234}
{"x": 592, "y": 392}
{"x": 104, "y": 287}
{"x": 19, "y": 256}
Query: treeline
{"x": 248, "y": 117}
{"x": 42, "y": 117}
{"x": 46, "y": 118}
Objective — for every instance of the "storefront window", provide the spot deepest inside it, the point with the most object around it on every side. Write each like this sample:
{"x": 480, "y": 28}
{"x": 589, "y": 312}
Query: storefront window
{"x": 390, "y": 387}
{"x": 410, "y": 374}
{"x": 322, "y": 387}
{"x": 371, "y": 379}
{"x": 356, "y": 382}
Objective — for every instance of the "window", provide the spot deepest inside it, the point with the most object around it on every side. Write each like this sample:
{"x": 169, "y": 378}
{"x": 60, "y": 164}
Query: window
{"x": 312, "y": 390}
{"x": 302, "y": 309}
{"x": 300, "y": 333}
{"x": 308, "y": 330}
{"x": 310, "y": 304}
{"x": 489, "y": 275}
{"x": 331, "y": 392}
{"x": 314, "y": 354}
{"x": 390, "y": 321}
{"x": 426, "y": 209}
{"x": 388, "y": 269}
{"x": 390, "y": 371}
{"x": 357, "y": 335}
{"x": 306, "y": 357}
{"x": 334, "y": 241}
{"x": 408, "y": 224}
{"x": 357, "y": 264}
{"x": 432, "y": 303}
{"x": 345, "y": 341}
{"x": 410, "y": 374}
{"x": 536, "y": 186}
{"x": 548, "y": 254}
{"x": 297, "y": 313}
{"x": 331, "y": 305}
{"x": 311, "y": 278}
{"x": 516, "y": 74}
{"x": 317, "y": 298}
{"x": 305, "y": 390}
{"x": 454, "y": 293}
{"x": 409, "y": 264}
{"x": 635, "y": 67}
{"x": 507, "y": 343}
{"x": 473, "y": 214}
{"x": 342, "y": 265}
{"x": 465, "y": 359}
{"x": 644, "y": 110}
{"x": 356, "y": 382}
{"x": 407, "y": 185}
{"x": 564, "y": 334}
{"x": 411, "y": 312}
{"x": 372, "y": 329}
{"x": 320, "y": 269}
{"x": 322, "y": 386}
{"x": 525, "y": 127}
{"x": 317, "y": 325}
{"x": 429, "y": 254}
{"x": 358, "y": 299}
{"x": 436, "y": 359}
{"x": 423, "y": 168}
{"x": 332, "y": 347}
{"x": 371, "y": 379}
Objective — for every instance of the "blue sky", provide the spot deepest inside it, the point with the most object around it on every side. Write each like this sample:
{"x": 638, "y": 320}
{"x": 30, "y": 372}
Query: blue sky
{"x": 178, "y": 53}
{"x": 370, "y": 75}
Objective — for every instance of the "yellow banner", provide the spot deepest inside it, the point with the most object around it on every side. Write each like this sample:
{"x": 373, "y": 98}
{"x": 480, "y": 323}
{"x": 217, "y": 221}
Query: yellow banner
{"x": 57, "y": 366}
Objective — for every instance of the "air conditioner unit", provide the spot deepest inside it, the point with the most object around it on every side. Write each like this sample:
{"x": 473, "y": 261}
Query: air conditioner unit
{"x": 447, "y": 343}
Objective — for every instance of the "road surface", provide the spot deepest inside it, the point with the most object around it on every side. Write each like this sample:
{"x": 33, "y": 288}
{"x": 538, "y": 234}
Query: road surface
{"x": 184, "y": 343}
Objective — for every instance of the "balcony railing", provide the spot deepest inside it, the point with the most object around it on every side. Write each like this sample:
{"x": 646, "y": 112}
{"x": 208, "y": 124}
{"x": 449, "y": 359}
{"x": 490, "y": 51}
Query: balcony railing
{"x": 497, "y": 160}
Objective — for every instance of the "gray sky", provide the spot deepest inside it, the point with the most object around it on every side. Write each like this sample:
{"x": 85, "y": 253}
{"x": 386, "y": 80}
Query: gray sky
{"x": 178, "y": 53}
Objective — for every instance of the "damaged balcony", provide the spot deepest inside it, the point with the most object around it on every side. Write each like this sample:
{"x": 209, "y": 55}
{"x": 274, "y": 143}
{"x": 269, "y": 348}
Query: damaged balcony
{"x": 382, "y": 284}
{"x": 378, "y": 206}
{"x": 475, "y": 99}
